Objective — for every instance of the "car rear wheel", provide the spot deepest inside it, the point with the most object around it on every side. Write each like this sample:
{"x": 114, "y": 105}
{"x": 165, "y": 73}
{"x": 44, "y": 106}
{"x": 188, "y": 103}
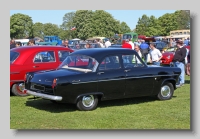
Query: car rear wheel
{"x": 87, "y": 103}
{"x": 17, "y": 90}
{"x": 166, "y": 91}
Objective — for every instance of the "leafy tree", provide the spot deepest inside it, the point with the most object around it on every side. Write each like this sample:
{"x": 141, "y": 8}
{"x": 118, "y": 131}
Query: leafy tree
{"x": 68, "y": 20}
{"x": 154, "y": 28}
{"x": 83, "y": 22}
{"x": 124, "y": 28}
{"x": 142, "y": 25}
{"x": 21, "y": 26}
{"x": 50, "y": 29}
{"x": 168, "y": 23}
{"x": 183, "y": 19}
{"x": 64, "y": 34}
{"x": 38, "y": 30}
{"x": 103, "y": 24}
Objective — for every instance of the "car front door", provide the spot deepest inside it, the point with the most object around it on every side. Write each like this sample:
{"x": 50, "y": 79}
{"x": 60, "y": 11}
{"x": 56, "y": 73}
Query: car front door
{"x": 139, "y": 81}
{"x": 111, "y": 78}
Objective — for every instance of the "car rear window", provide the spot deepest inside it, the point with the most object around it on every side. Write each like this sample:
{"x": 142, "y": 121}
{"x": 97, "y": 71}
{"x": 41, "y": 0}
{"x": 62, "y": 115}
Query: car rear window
{"x": 13, "y": 56}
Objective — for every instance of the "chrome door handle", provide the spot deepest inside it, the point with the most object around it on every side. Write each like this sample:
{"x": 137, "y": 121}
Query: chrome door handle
{"x": 127, "y": 70}
{"x": 35, "y": 66}
{"x": 99, "y": 73}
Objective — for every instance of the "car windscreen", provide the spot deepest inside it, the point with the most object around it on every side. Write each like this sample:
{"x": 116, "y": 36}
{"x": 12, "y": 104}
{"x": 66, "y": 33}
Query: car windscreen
{"x": 13, "y": 56}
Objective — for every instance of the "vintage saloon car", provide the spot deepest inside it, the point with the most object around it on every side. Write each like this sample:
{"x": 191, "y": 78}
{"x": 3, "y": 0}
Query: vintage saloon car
{"x": 33, "y": 58}
{"x": 88, "y": 76}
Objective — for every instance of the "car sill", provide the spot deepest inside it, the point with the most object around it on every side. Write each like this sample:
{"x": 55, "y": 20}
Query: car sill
{"x": 45, "y": 96}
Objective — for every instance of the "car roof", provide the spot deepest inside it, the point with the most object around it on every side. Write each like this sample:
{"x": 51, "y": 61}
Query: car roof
{"x": 36, "y": 48}
{"x": 99, "y": 53}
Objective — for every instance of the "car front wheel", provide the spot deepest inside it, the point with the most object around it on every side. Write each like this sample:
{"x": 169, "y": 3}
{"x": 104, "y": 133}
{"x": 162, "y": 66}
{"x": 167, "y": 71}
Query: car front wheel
{"x": 17, "y": 90}
{"x": 166, "y": 91}
{"x": 87, "y": 103}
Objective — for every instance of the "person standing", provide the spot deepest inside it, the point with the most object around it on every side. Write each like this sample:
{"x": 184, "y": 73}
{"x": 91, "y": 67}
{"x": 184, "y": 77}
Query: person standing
{"x": 31, "y": 43}
{"x": 131, "y": 43}
{"x": 12, "y": 44}
{"x": 179, "y": 61}
{"x": 88, "y": 46}
{"x": 18, "y": 44}
{"x": 66, "y": 43}
{"x": 155, "y": 55}
{"x": 107, "y": 43}
{"x": 126, "y": 44}
{"x": 144, "y": 47}
{"x": 137, "y": 49}
{"x": 188, "y": 64}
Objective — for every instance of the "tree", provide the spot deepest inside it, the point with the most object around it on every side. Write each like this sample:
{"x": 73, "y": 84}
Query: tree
{"x": 183, "y": 19}
{"x": 142, "y": 25}
{"x": 103, "y": 24}
{"x": 68, "y": 20}
{"x": 83, "y": 23}
{"x": 168, "y": 23}
{"x": 124, "y": 28}
{"x": 21, "y": 26}
{"x": 154, "y": 28}
{"x": 38, "y": 30}
{"x": 51, "y": 29}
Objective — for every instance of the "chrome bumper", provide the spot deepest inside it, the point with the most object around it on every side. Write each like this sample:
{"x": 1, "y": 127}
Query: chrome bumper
{"x": 50, "y": 97}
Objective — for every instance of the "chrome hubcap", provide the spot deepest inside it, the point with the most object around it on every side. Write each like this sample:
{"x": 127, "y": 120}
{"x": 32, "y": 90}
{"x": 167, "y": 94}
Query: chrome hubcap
{"x": 165, "y": 91}
{"x": 21, "y": 87}
{"x": 88, "y": 100}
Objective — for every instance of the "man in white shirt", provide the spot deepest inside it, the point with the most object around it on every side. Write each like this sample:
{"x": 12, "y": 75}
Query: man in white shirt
{"x": 155, "y": 55}
{"x": 131, "y": 43}
{"x": 107, "y": 43}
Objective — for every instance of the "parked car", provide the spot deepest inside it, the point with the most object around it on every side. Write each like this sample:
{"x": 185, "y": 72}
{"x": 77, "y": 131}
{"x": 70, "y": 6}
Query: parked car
{"x": 161, "y": 45}
{"x": 97, "y": 74}
{"x": 168, "y": 55}
{"x": 33, "y": 58}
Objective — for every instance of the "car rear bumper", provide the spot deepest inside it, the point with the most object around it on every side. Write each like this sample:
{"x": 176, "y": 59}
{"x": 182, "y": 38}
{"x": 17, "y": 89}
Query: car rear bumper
{"x": 41, "y": 95}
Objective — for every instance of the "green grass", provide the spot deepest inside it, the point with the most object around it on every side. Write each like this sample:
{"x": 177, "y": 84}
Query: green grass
{"x": 134, "y": 113}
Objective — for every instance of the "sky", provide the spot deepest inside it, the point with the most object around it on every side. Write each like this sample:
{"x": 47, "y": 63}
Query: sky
{"x": 56, "y": 16}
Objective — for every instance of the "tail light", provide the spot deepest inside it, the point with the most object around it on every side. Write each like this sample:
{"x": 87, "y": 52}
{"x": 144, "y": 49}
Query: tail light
{"x": 54, "y": 83}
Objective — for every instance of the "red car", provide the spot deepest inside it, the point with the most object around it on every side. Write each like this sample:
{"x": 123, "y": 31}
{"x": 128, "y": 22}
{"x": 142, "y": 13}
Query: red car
{"x": 33, "y": 58}
{"x": 168, "y": 55}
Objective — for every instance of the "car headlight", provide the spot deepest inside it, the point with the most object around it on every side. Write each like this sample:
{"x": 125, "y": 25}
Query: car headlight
{"x": 168, "y": 57}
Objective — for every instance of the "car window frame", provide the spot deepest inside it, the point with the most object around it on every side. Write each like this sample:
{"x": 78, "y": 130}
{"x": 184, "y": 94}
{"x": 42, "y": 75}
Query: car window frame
{"x": 45, "y": 62}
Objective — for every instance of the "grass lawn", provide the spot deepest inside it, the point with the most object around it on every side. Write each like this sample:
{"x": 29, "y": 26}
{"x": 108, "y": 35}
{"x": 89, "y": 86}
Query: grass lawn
{"x": 134, "y": 113}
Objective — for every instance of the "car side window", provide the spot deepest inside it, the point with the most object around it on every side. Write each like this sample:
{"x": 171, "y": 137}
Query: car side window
{"x": 62, "y": 55}
{"x": 131, "y": 61}
{"x": 44, "y": 56}
{"x": 110, "y": 62}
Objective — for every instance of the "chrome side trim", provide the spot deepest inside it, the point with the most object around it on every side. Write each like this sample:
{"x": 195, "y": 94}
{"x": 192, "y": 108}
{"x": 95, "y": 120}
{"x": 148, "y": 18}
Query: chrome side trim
{"x": 125, "y": 78}
{"x": 14, "y": 72}
{"x": 16, "y": 80}
{"x": 50, "y": 97}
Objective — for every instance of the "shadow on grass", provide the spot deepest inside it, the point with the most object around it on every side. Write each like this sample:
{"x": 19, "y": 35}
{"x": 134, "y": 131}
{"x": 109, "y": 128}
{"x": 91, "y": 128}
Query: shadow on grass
{"x": 47, "y": 105}
{"x": 187, "y": 81}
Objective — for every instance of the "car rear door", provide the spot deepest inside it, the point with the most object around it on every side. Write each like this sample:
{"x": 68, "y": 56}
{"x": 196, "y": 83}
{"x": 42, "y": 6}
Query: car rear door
{"x": 42, "y": 60}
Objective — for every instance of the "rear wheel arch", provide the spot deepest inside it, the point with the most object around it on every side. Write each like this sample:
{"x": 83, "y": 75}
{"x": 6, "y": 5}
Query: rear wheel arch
{"x": 172, "y": 81}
